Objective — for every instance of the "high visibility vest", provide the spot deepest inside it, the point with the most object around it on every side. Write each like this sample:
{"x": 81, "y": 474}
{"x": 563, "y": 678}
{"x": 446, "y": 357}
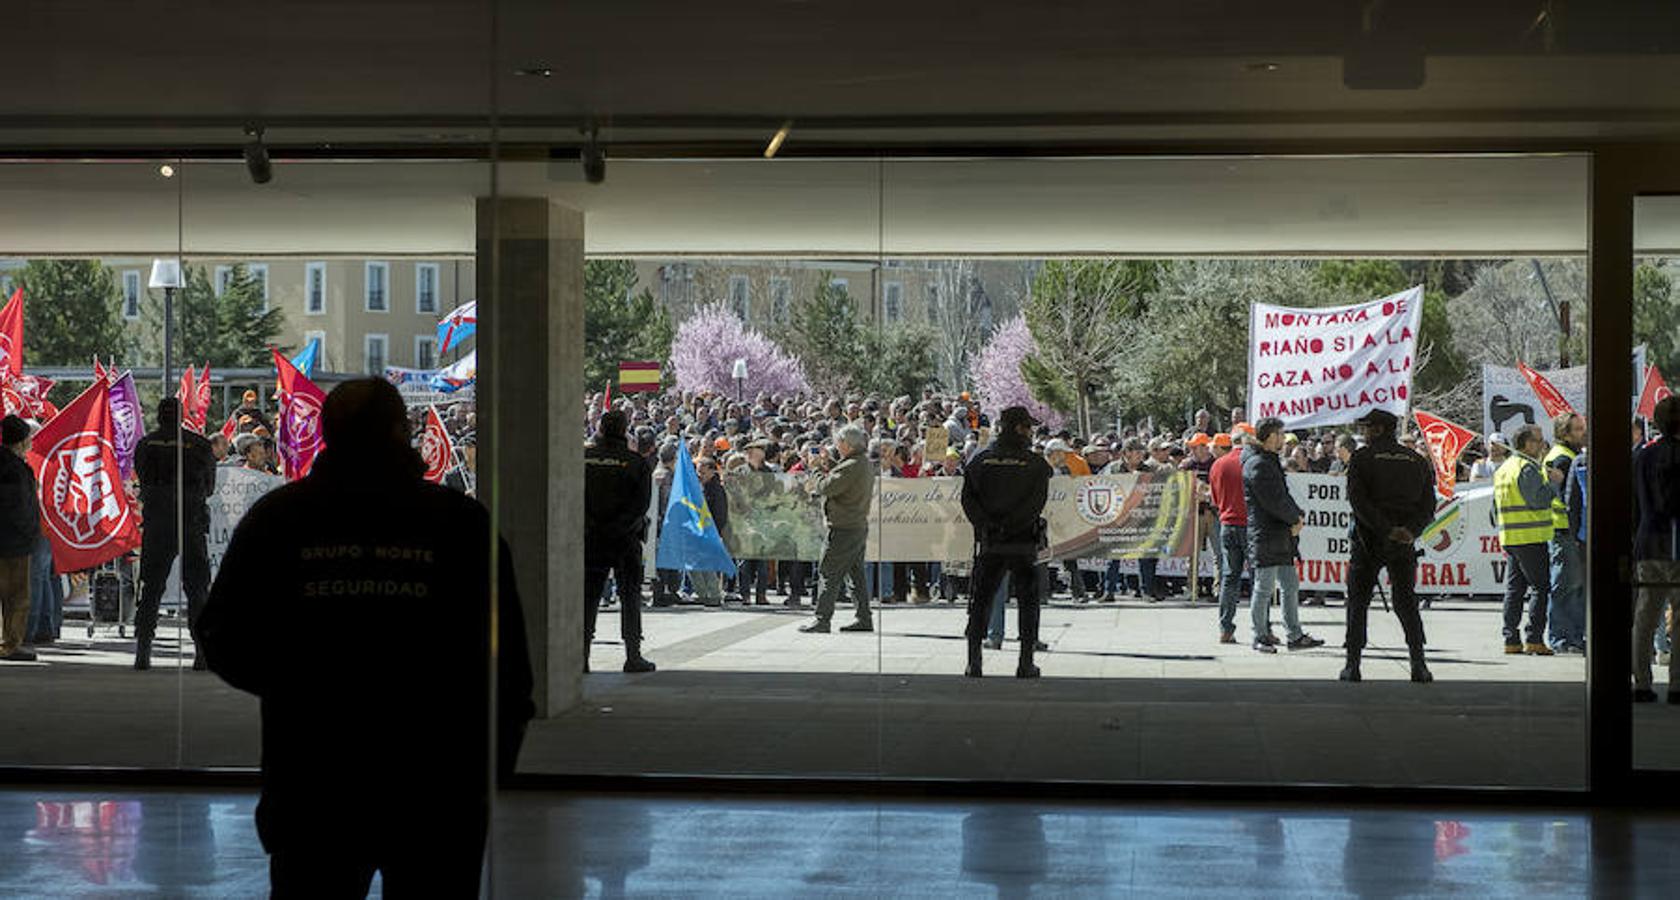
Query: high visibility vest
{"x": 1560, "y": 511}
{"x": 1518, "y": 524}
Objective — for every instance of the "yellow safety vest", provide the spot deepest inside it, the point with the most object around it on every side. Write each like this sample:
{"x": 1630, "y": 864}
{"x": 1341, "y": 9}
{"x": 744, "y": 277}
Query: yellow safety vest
{"x": 1560, "y": 512}
{"x": 1518, "y": 524}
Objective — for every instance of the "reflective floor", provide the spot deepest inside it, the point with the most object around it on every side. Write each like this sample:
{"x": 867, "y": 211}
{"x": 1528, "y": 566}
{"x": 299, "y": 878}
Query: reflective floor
{"x": 65, "y": 843}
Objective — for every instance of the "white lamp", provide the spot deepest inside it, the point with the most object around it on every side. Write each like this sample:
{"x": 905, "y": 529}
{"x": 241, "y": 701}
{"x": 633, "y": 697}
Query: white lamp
{"x": 166, "y": 273}
{"x": 740, "y": 377}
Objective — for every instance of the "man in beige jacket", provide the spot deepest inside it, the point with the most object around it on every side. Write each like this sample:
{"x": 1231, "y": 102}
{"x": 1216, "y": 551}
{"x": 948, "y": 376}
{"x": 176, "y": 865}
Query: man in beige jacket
{"x": 847, "y": 489}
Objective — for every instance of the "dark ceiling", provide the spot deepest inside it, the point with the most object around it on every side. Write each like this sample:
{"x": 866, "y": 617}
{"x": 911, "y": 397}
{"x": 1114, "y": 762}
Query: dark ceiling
{"x": 659, "y": 74}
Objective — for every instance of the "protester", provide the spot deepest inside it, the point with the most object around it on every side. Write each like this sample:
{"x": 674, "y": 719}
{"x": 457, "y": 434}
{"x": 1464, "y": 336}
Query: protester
{"x": 1656, "y": 490}
{"x": 617, "y": 487}
{"x": 1392, "y": 494}
{"x": 1274, "y": 523}
{"x": 1566, "y": 619}
{"x": 708, "y": 585}
{"x": 170, "y": 504}
{"x": 1523, "y": 503}
{"x": 20, "y": 530}
{"x": 397, "y": 725}
{"x": 847, "y": 489}
{"x": 1498, "y": 451}
{"x": 1003, "y": 497}
{"x": 1225, "y": 484}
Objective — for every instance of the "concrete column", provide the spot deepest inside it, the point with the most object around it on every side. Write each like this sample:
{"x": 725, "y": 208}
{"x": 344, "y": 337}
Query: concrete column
{"x": 530, "y": 389}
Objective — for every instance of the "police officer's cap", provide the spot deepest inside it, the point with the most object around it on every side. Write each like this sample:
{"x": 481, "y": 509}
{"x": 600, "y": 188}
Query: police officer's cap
{"x": 1380, "y": 417}
{"x": 1014, "y": 416}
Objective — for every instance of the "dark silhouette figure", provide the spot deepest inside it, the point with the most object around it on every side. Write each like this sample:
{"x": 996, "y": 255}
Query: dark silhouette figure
{"x": 1501, "y": 408}
{"x": 173, "y": 508}
{"x": 375, "y": 742}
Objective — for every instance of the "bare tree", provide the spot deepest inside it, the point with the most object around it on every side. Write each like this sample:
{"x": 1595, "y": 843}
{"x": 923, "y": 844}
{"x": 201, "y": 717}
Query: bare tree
{"x": 954, "y": 301}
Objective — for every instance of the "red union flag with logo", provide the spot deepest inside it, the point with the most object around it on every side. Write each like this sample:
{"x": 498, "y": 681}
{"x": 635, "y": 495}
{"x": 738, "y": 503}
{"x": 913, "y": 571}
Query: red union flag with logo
{"x": 1446, "y": 443}
{"x": 300, "y": 419}
{"x": 436, "y": 449}
{"x": 1652, "y": 392}
{"x": 1551, "y": 399}
{"x": 83, "y": 507}
{"x": 1329, "y": 366}
{"x": 11, "y": 335}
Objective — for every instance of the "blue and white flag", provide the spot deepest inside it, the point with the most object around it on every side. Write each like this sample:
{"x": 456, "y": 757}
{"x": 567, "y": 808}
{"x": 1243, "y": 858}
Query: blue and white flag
{"x": 690, "y": 540}
{"x": 305, "y": 359}
{"x": 457, "y": 375}
{"x": 456, "y": 326}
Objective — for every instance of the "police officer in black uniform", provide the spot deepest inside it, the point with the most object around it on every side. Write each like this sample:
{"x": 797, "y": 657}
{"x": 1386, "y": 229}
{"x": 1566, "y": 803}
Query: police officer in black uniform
{"x": 617, "y": 485}
{"x": 375, "y": 750}
{"x": 167, "y": 513}
{"x": 1392, "y": 491}
{"x": 1004, "y": 490}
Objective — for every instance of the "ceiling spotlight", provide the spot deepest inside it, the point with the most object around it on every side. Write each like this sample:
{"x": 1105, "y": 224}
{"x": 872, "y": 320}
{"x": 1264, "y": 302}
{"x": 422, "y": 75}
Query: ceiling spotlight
{"x": 256, "y": 156}
{"x": 166, "y": 170}
{"x": 535, "y": 72}
{"x": 1262, "y": 67}
{"x": 777, "y": 139}
{"x": 593, "y": 157}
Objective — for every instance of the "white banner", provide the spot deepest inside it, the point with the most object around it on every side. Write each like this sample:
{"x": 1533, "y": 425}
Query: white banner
{"x": 1313, "y": 367}
{"x": 236, "y": 489}
{"x": 1509, "y": 403}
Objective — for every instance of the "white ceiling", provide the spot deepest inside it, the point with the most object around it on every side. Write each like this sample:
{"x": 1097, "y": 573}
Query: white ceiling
{"x": 1395, "y": 206}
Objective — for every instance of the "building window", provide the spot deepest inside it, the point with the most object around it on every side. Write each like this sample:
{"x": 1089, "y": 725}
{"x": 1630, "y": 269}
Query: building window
{"x": 781, "y": 295}
{"x": 740, "y": 300}
{"x": 259, "y": 272}
{"x": 131, "y": 294}
{"x": 933, "y": 304}
{"x": 426, "y": 288}
{"x": 315, "y": 288}
{"x": 376, "y": 283}
{"x": 223, "y": 277}
{"x": 375, "y": 349}
{"x": 425, "y": 352}
{"x": 840, "y": 284}
{"x": 321, "y": 354}
{"x": 892, "y": 301}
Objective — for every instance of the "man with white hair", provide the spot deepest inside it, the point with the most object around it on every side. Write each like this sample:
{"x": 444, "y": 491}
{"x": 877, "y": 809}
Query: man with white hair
{"x": 846, "y": 488}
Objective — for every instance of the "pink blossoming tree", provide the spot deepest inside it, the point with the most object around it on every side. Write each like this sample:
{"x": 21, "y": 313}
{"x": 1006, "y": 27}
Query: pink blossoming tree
{"x": 705, "y": 348}
{"x": 996, "y": 374}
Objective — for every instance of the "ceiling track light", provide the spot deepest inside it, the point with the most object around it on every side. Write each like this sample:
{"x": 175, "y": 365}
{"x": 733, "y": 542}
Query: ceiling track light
{"x": 594, "y": 159}
{"x": 257, "y": 162}
{"x": 776, "y": 139}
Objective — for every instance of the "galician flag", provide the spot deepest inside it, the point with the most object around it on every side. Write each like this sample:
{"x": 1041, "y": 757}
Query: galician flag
{"x": 690, "y": 540}
{"x": 456, "y": 326}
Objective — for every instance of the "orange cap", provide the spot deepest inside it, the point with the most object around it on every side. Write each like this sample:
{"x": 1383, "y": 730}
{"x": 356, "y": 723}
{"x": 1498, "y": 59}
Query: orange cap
{"x": 721, "y": 444}
{"x": 1198, "y": 440}
{"x": 1222, "y": 440}
{"x": 1244, "y": 427}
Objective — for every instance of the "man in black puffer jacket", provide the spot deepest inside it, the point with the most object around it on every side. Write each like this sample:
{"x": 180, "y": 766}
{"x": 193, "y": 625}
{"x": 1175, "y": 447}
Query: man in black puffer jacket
{"x": 1004, "y": 490}
{"x": 1274, "y": 523}
{"x": 617, "y": 487}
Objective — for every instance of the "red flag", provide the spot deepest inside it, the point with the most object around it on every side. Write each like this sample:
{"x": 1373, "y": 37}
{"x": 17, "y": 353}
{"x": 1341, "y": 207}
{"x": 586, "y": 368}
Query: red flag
{"x": 230, "y": 428}
{"x": 99, "y": 373}
{"x": 1551, "y": 399}
{"x": 1652, "y": 392}
{"x": 187, "y": 393}
{"x": 11, "y": 334}
{"x": 83, "y": 506}
{"x": 201, "y": 399}
{"x": 436, "y": 449}
{"x": 606, "y": 404}
{"x": 300, "y": 418}
{"x": 1446, "y": 442}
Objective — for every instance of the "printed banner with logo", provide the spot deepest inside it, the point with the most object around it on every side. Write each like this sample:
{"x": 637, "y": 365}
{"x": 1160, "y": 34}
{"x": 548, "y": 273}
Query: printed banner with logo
{"x": 84, "y": 509}
{"x": 1314, "y": 367}
{"x": 1509, "y": 402}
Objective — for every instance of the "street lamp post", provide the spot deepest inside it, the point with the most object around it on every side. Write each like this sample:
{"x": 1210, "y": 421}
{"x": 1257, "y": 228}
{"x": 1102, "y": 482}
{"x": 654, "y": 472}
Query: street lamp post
{"x": 740, "y": 379}
{"x": 166, "y": 274}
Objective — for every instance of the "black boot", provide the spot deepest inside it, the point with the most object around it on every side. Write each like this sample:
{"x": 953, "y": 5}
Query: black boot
{"x": 1025, "y": 668}
{"x": 142, "y": 655}
{"x": 634, "y": 662}
{"x": 973, "y": 670}
{"x": 1350, "y": 672}
{"x": 1420, "y": 672}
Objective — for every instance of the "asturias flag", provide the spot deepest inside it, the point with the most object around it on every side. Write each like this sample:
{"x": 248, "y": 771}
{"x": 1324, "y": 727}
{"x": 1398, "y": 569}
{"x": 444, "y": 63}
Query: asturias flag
{"x": 305, "y": 359}
{"x": 456, "y": 326}
{"x": 83, "y": 506}
{"x": 690, "y": 540}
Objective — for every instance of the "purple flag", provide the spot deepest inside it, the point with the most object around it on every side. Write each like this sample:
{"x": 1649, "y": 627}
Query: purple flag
{"x": 127, "y": 426}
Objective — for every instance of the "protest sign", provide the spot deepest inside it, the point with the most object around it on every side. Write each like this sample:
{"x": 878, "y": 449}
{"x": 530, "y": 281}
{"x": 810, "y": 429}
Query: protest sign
{"x": 1508, "y": 401}
{"x": 1314, "y": 367}
{"x": 936, "y": 439}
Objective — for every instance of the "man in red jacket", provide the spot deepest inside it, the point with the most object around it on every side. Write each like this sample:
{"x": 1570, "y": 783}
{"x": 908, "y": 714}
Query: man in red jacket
{"x": 1226, "y": 485}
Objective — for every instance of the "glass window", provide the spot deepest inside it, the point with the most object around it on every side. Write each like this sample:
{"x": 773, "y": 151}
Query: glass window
{"x": 374, "y": 353}
{"x": 375, "y": 283}
{"x": 892, "y": 302}
{"x": 740, "y": 300}
{"x": 319, "y": 337}
{"x": 781, "y": 292}
{"x": 224, "y": 276}
{"x": 843, "y": 285}
{"x": 259, "y": 274}
{"x": 315, "y": 288}
{"x": 131, "y": 294}
{"x": 426, "y": 288}
{"x": 425, "y": 351}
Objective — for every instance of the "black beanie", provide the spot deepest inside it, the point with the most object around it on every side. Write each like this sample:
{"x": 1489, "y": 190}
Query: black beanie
{"x": 13, "y": 431}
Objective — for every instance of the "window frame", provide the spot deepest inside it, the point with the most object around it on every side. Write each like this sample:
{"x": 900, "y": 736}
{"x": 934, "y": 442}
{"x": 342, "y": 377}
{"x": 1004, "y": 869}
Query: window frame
{"x": 309, "y": 270}
{"x": 132, "y": 276}
{"x": 385, "y": 352}
{"x": 429, "y": 340}
{"x": 368, "y": 268}
{"x": 437, "y": 289}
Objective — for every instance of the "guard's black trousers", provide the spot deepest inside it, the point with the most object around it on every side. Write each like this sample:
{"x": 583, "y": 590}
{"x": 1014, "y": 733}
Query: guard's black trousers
{"x": 157, "y": 554}
{"x": 1401, "y": 562}
{"x": 626, "y": 569}
{"x": 989, "y": 570}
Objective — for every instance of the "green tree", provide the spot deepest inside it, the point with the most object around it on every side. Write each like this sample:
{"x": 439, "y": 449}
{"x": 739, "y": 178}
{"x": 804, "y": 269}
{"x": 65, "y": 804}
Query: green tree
{"x": 1440, "y": 365}
{"x": 898, "y": 360}
{"x": 826, "y": 334}
{"x": 70, "y": 312}
{"x": 1656, "y": 317}
{"x": 619, "y": 322}
{"x": 228, "y": 331}
{"x": 1082, "y": 313}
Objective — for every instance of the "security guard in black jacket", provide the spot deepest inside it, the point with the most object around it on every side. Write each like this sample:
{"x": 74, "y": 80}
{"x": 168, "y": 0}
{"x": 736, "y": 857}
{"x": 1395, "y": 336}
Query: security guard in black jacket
{"x": 166, "y": 512}
{"x": 617, "y": 485}
{"x": 375, "y": 750}
{"x": 1004, "y": 490}
{"x": 1392, "y": 492}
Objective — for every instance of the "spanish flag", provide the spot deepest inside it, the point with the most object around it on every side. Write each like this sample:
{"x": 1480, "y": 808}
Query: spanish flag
{"x": 634, "y": 376}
